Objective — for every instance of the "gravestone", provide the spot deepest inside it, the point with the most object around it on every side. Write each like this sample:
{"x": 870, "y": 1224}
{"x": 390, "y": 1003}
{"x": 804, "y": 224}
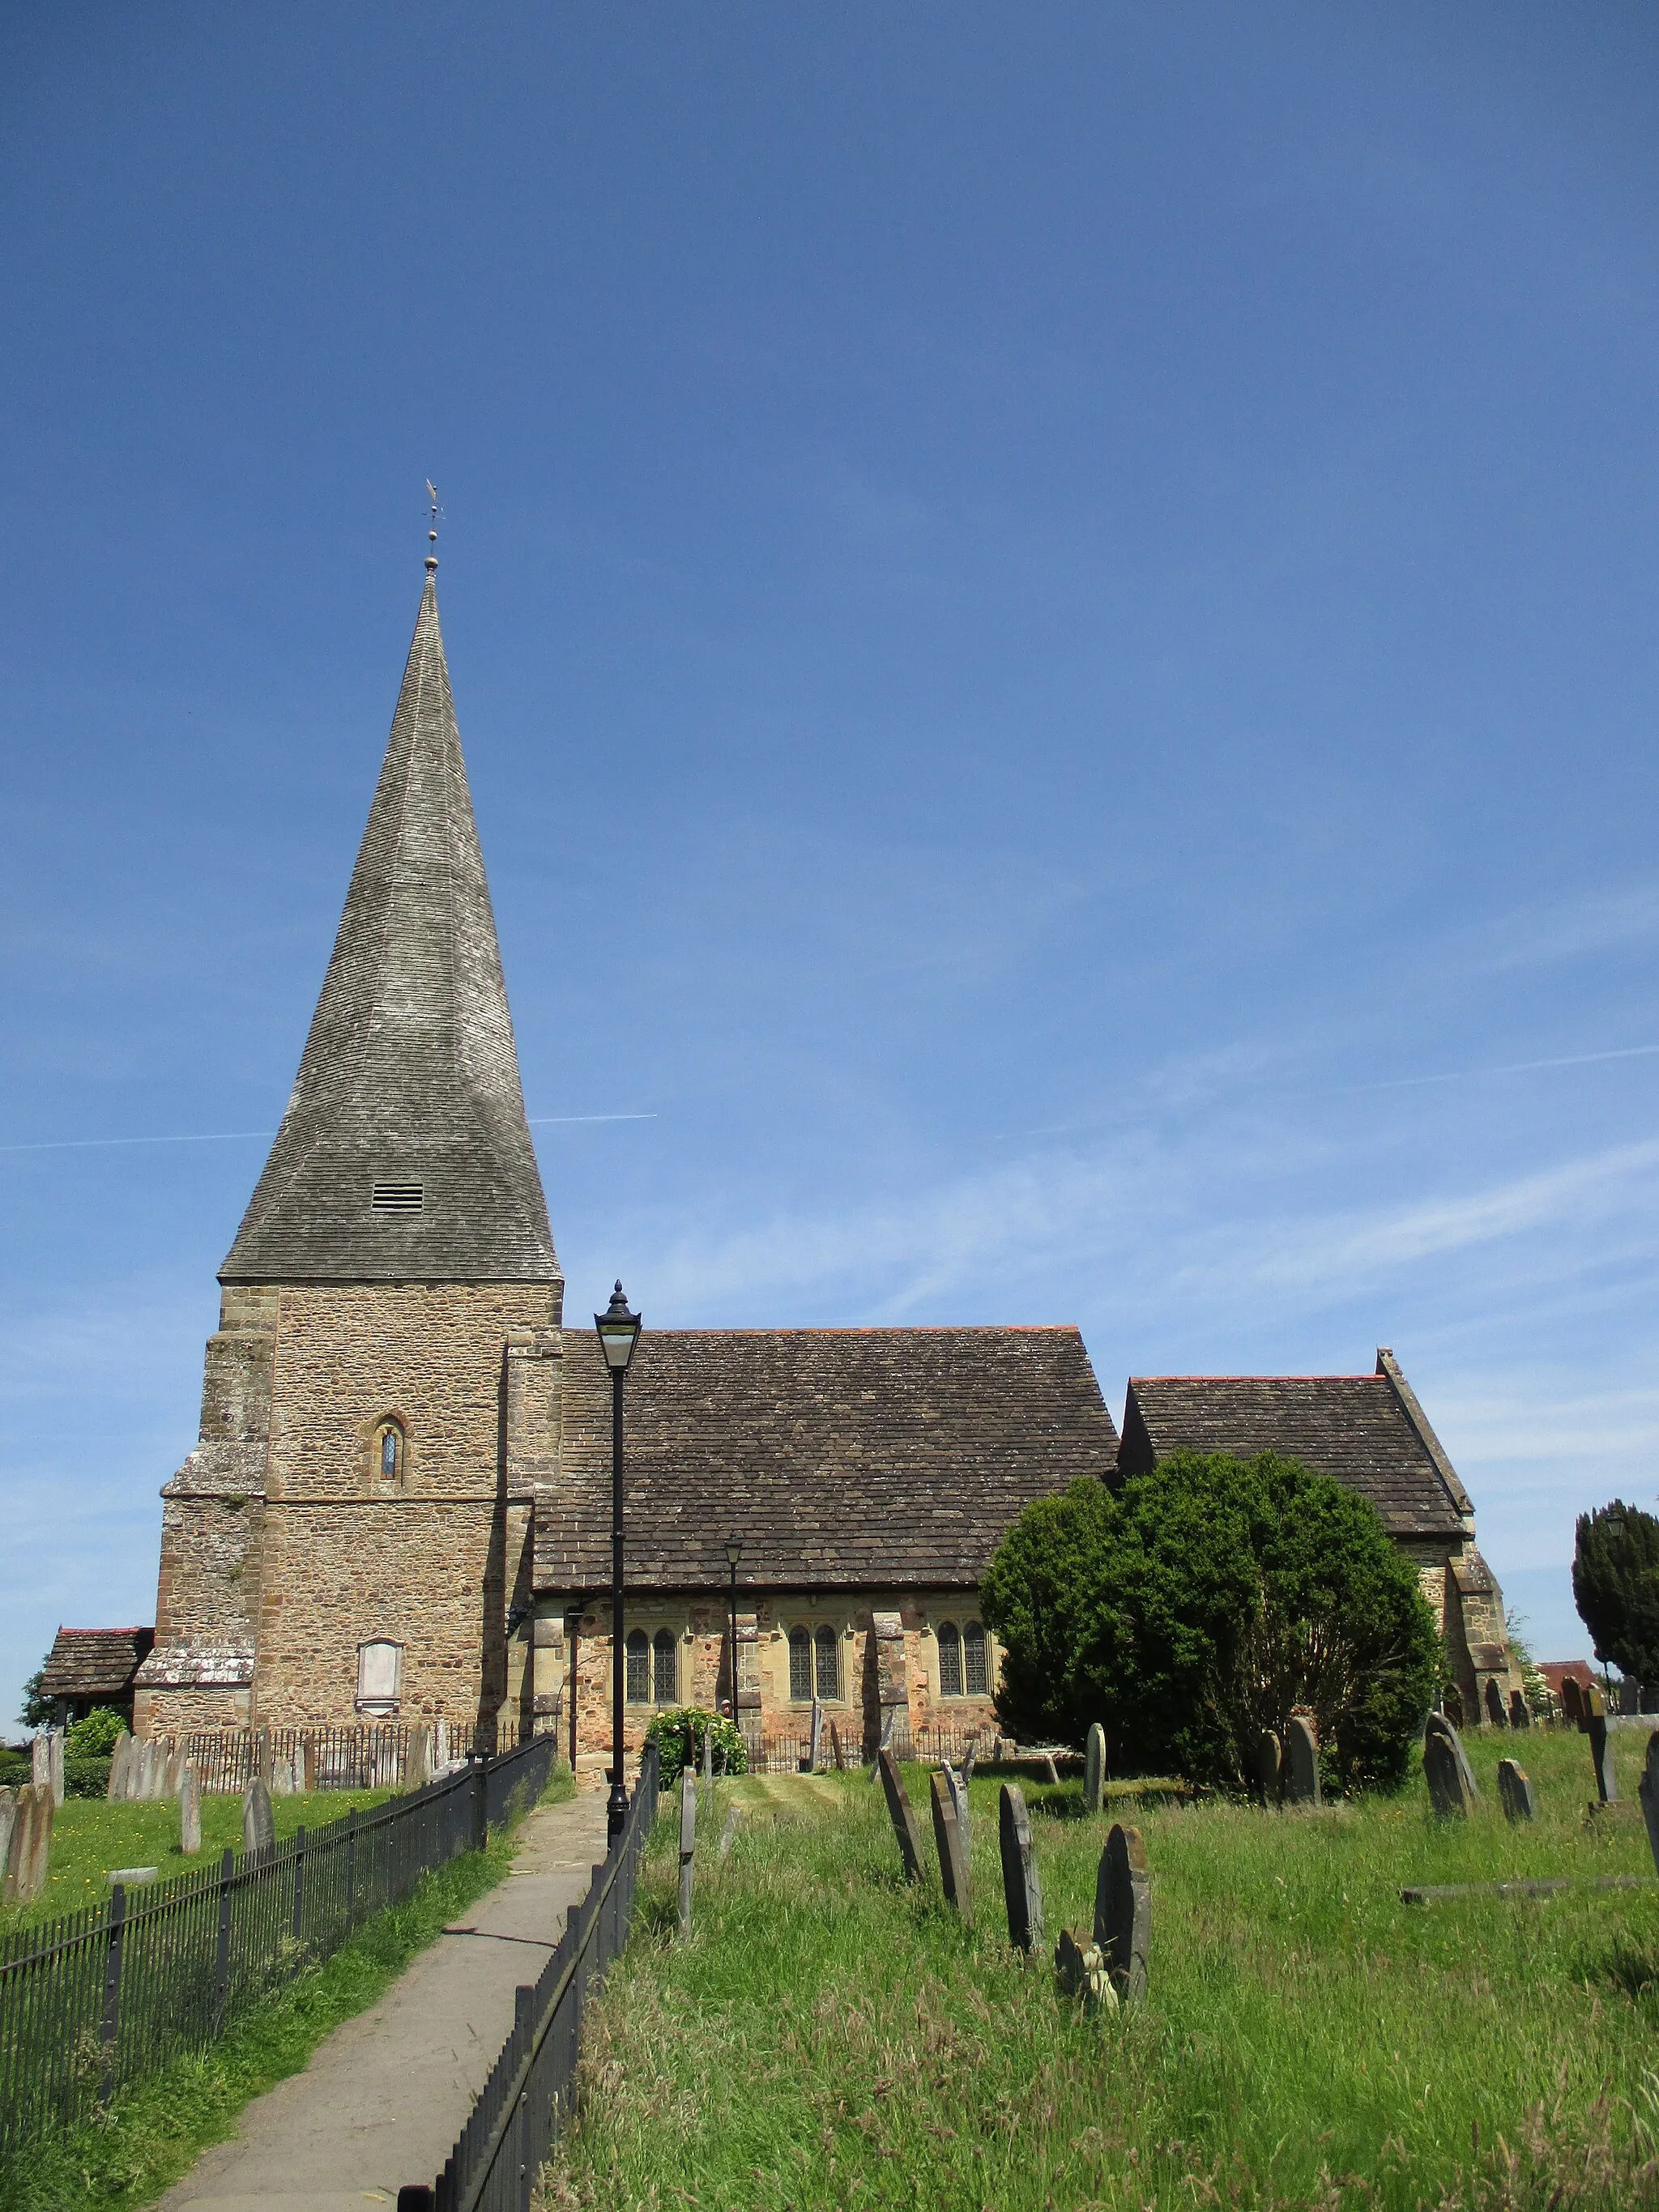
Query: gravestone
{"x": 1269, "y": 1765}
{"x": 1515, "y": 1791}
{"x": 1572, "y": 1701}
{"x": 142, "y": 1767}
{"x": 28, "y": 1853}
{"x": 708, "y": 1759}
{"x": 1022, "y": 1892}
{"x": 1452, "y": 1705}
{"x": 903, "y": 1815}
{"x": 440, "y": 1742}
{"x": 305, "y": 1767}
{"x": 1300, "y": 1764}
{"x": 262, "y": 1756}
{"x": 1080, "y": 1970}
{"x": 7, "y": 1821}
{"x": 1520, "y": 1710}
{"x": 1648, "y": 1791}
{"x": 417, "y": 1761}
{"x": 728, "y": 1833}
{"x": 1123, "y": 1912}
{"x": 41, "y": 1759}
{"x": 19, "y": 1842}
{"x": 190, "y": 1811}
{"x": 172, "y": 1779}
{"x": 815, "y": 1736}
{"x": 1607, "y": 1780}
{"x": 688, "y": 1842}
{"x": 838, "y": 1754}
{"x": 281, "y": 1778}
{"x": 1446, "y": 1771}
{"x": 1630, "y": 1696}
{"x": 952, "y": 1860}
{"x": 40, "y": 1850}
{"x": 259, "y": 1829}
{"x": 55, "y": 1755}
{"x": 1495, "y": 1712}
{"x": 957, "y": 1785}
{"x": 1094, "y": 1767}
{"x": 115, "y": 1788}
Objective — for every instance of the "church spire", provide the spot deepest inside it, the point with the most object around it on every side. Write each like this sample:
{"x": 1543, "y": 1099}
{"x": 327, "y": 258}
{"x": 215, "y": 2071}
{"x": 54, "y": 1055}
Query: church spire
{"x": 404, "y": 1155}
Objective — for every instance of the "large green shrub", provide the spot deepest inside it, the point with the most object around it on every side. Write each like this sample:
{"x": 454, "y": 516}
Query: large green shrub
{"x": 1195, "y": 1609}
{"x": 678, "y": 1736}
{"x": 1615, "y": 1586}
{"x": 95, "y": 1734}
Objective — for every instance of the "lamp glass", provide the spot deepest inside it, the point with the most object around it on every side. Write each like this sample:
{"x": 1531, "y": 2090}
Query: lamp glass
{"x": 733, "y": 1550}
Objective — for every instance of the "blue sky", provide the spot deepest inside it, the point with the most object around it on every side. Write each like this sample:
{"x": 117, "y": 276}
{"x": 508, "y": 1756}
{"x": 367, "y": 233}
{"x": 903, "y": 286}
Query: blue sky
{"x": 1053, "y": 612}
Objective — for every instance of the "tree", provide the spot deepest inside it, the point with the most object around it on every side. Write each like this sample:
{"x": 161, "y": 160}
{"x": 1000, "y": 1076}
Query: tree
{"x": 1615, "y": 1586}
{"x": 1194, "y": 1611}
{"x": 38, "y": 1711}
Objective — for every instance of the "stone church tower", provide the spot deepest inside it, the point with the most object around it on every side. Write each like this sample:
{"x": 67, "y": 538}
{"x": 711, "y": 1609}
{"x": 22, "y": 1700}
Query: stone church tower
{"x": 377, "y": 1404}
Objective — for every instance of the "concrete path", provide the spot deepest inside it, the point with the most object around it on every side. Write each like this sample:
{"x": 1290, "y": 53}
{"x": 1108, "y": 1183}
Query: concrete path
{"x": 384, "y": 2099}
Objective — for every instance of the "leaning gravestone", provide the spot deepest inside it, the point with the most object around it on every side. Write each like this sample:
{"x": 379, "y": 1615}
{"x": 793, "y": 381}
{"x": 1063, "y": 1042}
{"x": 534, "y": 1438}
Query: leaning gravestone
{"x": 1123, "y": 1912}
{"x": 903, "y": 1815}
{"x": 1648, "y": 1791}
{"x": 1301, "y": 1762}
{"x": 7, "y": 1821}
{"x": 1515, "y": 1791}
{"x": 119, "y": 1758}
{"x": 148, "y": 1759}
{"x": 190, "y": 1812}
{"x": 1022, "y": 1892}
{"x": 952, "y": 1861}
{"x": 1094, "y": 1767}
{"x": 259, "y": 1829}
{"x": 41, "y": 1759}
{"x": 56, "y": 1756}
{"x": 1596, "y": 1727}
{"x": 957, "y": 1786}
{"x": 1572, "y": 1702}
{"x": 1520, "y": 1710}
{"x": 172, "y": 1777}
{"x": 1269, "y": 1763}
{"x": 1446, "y": 1771}
{"x": 28, "y": 1853}
{"x": 1495, "y": 1712}
{"x": 1452, "y": 1705}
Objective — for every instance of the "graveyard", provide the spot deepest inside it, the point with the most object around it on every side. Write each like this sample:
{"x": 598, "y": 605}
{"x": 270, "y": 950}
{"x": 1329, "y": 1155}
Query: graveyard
{"x": 830, "y": 2032}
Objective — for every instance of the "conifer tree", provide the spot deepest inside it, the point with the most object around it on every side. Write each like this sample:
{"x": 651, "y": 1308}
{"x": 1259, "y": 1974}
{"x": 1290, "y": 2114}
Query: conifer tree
{"x": 1615, "y": 1586}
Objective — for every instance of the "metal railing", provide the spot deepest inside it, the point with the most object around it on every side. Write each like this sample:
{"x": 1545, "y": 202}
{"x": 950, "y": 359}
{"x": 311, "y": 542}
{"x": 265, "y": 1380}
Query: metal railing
{"x": 532, "y": 2091}
{"x": 365, "y": 1755}
{"x": 93, "y": 2002}
{"x": 789, "y": 1754}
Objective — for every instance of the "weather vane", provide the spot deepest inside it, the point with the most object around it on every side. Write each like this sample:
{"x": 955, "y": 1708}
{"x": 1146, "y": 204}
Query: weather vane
{"x": 437, "y": 514}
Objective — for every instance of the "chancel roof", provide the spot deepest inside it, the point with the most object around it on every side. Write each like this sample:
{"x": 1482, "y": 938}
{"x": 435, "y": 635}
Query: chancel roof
{"x": 881, "y": 1456}
{"x": 404, "y": 1155}
{"x": 1368, "y": 1431}
{"x": 93, "y": 1662}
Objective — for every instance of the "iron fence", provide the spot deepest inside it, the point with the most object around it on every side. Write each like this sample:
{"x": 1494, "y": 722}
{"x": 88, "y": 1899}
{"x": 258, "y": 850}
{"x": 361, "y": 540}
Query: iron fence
{"x": 789, "y": 1754}
{"x": 367, "y": 1755}
{"x": 532, "y": 2090}
{"x": 94, "y": 2003}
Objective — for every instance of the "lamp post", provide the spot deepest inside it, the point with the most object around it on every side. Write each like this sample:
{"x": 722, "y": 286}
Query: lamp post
{"x": 619, "y": 1332}
{"x": 733, "y": 1553}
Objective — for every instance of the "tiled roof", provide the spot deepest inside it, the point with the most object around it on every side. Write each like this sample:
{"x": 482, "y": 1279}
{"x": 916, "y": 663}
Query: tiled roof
{"x": 409, "y": 1080}
{"x": 95, "y": 1662}
{"x": 1356, "y": 1427}
{"x": 880, "y": 1456}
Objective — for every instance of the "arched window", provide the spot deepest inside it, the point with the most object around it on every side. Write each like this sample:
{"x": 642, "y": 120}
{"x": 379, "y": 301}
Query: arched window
{"x": 662, "y": 1671}
{"x": 827, "y": 1652}
{"x": 949, "y": 1660}
{"x": 800, "y": 1665}
{"x": 638, "y": 1668}
{"x": 973, "y": 1658}
{"x": 389, "y": 1454}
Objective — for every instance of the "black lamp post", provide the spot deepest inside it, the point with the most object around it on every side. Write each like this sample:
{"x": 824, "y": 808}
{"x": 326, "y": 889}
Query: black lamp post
{"x": 733, "y": 1553}
{"x": 619, "y": 1332}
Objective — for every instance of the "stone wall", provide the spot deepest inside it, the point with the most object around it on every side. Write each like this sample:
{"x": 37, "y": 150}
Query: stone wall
{"x": 700, "y": 1627}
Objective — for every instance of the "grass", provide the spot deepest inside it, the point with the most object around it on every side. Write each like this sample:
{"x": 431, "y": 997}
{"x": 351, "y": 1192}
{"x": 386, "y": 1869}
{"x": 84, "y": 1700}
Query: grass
{"x": 90, "y": 1839}
{"x": 154, "y": 2134}
{"x": 829, "y": 2037}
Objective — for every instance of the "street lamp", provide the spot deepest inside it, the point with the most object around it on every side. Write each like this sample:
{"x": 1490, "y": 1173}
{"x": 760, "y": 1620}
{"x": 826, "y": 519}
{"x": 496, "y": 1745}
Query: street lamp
{"x": 619, "y": 1332}
{"x": 733, "y": 1553}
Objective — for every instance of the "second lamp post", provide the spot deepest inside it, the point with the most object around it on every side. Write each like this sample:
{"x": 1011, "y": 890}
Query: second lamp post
{"x": 619, "y": 1332}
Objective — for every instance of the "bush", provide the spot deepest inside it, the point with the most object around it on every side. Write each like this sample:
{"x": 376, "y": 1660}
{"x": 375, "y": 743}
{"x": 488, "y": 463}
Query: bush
{"x": 1194, "y": 1611}
{"x": 1615, "y": 1586}
{"x": 95, "y": 1734}
{"x": 678, "y": 1736}
{"x": 85, "y": 1778}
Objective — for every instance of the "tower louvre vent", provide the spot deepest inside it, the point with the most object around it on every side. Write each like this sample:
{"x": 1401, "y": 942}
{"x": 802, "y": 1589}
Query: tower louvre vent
{"x": 398, "y": 1197}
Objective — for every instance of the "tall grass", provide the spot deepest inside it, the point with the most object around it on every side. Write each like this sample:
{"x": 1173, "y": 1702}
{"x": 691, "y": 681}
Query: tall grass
{"x": 829, "y": 2037}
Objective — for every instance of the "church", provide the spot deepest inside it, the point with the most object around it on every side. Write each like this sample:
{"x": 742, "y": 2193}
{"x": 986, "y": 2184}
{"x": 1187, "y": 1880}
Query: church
{"x": 398, "y": 1506}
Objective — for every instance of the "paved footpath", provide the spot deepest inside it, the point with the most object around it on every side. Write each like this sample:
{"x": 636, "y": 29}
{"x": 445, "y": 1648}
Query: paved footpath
{"x": 384, "y": 2099}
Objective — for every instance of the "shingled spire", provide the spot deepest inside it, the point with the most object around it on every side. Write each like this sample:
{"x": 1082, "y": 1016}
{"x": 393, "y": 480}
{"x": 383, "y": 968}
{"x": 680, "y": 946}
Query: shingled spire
{"x": 404, "y": 1155}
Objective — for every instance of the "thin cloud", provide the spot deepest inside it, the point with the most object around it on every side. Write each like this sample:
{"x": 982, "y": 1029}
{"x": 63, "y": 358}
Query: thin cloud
{"x": 1567, "y": 930}
{"x": 1511, "y": 1067}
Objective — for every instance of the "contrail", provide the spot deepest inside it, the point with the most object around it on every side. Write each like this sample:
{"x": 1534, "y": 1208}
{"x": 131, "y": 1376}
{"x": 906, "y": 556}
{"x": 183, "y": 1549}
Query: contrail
{"x": 238, "y": 1136}
{"x": 1515, "y": 1068}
